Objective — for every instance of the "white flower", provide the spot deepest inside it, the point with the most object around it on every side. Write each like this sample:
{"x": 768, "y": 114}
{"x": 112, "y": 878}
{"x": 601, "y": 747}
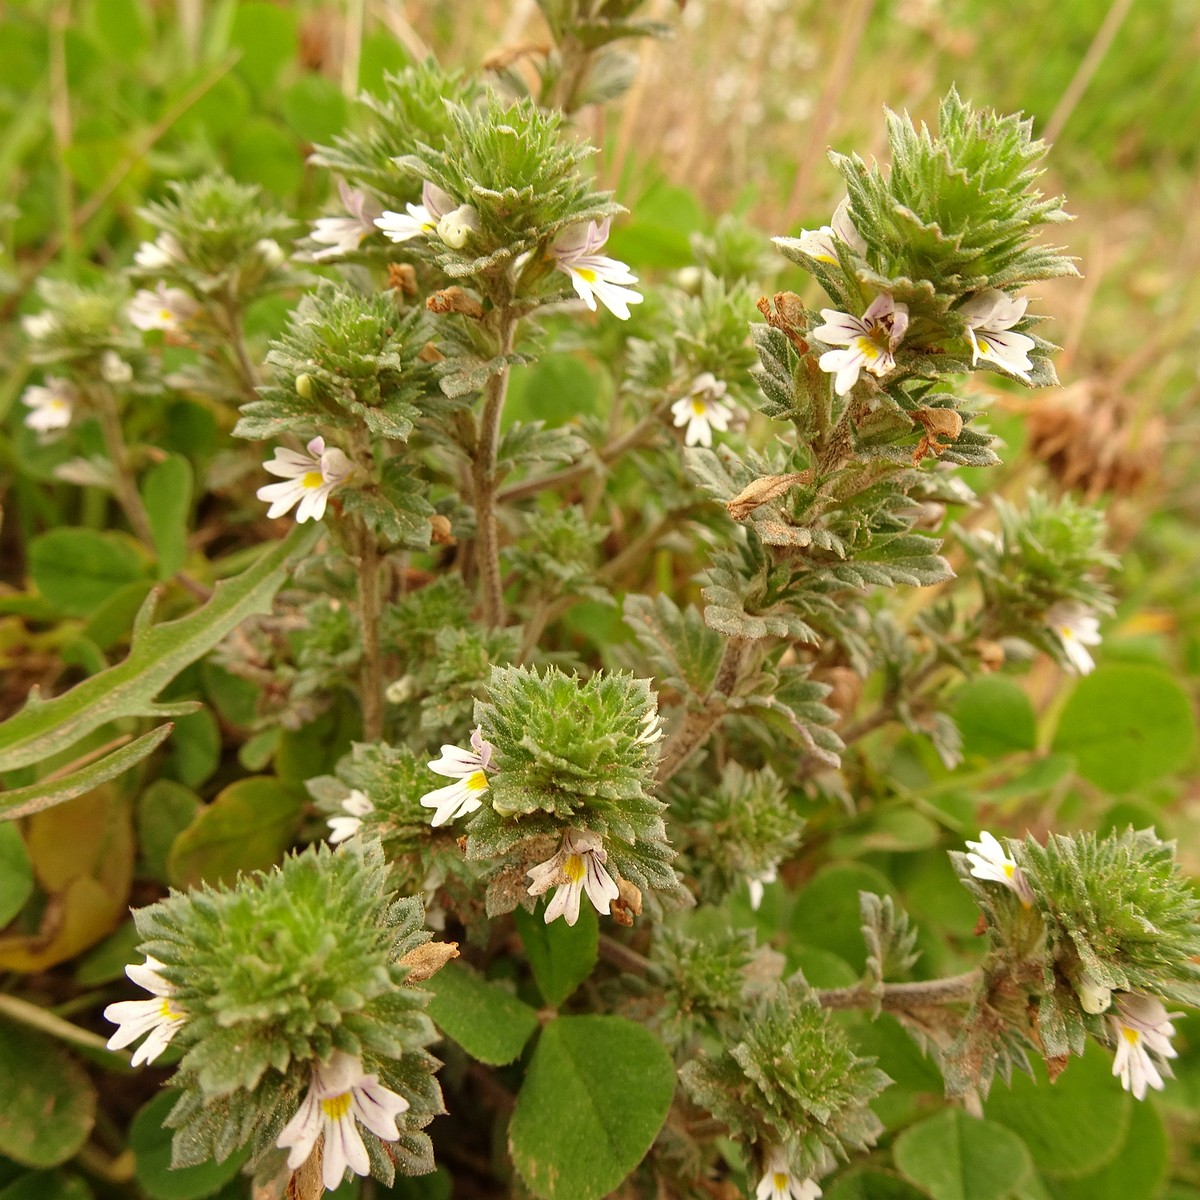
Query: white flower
{"x": 756, "y": 883}
{"x": 161, "y": 1017}
{"x": 819, "y": 243}
{"x": 594, "y": 276}
{"x": 1143, "y": 1031}
{"x": 345, "y": 233}
{"x": 990, "y": 316}
{"x": 164, "y": 251}
{"x": 457, "y": 226}
{"x": 39, "y": 325}
{"x": 271, "y": 252}
{"x": 357, "y": 805}
{"x": 651, "y": 730}
{"x": 469, "y": 768}
{"x": 114, "y": 369}
{"x": 338, "y": 1099}
{"x": 578, "y": 866}
{"x": 1077, "y": 629}
{"x": 870, "y": 339}
{"x": 50, "y": 405}
{"x": 164, "y": 308}
{"x": 989, "y": 860}
{"x": 701, "y": 410}
{"x": 778, "y": 1183}
{"x": 422, "y": 218}
{"x": 309, "y": 478}
{"x": 1094, "y": 997}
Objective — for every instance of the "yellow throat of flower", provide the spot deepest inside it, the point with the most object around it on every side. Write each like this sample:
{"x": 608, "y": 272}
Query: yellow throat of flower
{"x": 573, "y": 868}
{"x": 698, "y": 406}
{"x": 476, "y": 782}
{"x": 312, "y": 480}
{"x": 336, "y": 1107}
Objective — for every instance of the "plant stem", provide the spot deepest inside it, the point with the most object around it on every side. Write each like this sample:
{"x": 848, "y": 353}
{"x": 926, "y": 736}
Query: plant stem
{"x": 118, "y": 453}
{"x": 905, "y": 997}
{"x": 244, "y": 369}
{"x": 369, "y": 612}
{"x": 697, "y": 725}
{"x": 483, "y": 474}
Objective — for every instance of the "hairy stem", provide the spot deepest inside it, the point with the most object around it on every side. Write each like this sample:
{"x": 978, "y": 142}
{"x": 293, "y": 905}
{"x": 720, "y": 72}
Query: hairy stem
{"x": 697, "y": 725}
{"x": 118, "y": 453}
{"x": 905, "y": 997}
{"x": 483, "y": 474}
{"x": 369, "y": 611}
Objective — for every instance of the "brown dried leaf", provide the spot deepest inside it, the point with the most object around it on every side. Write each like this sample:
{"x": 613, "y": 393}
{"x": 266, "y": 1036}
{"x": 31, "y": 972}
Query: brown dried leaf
{"x": 425, "y": 961}
{"x": 764, "y": 490}
{"x": 455, "y": 300}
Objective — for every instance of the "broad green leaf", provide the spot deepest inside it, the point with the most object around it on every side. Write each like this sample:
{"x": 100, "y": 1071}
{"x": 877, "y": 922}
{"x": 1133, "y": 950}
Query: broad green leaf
{"x": 47, "y": 1104}
{"x": 16, "y": 873}
{"x": 266, "y": 36}
{"x": 167, "y": 493}
{"x": 554, "y": 390}
{"x": 164, "y": 810}
{"x": 47, "y": 1185}
{"x": 21, "y": 802}
{"x": 994, "y": 717}
{"x": 263, "y": 152}
{"x": 44, "y": 728}
{"x": 1072, "y": 1128}
{"x": 1138, "y": 1170}
{"x": 872, "y": 1185}
{"x": 594, "y": 1098}
{"x": 315, "y": 108}
{"x": 826, "y": 913}
{"x": 957, "y": 1157}
{"x": 195, "y": 748}
{"x": 489, "y": 1023}
{"x": 561, "y": 956}
{"x": 246, "y": 828}
{"x": 150, "y": 1142}
{"x": 1126, "y": 726}
{"x": 77, "y": 570}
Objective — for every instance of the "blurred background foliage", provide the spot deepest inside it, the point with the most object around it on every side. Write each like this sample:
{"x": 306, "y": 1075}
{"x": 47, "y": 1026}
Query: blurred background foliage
{"x": 104, "y": 103}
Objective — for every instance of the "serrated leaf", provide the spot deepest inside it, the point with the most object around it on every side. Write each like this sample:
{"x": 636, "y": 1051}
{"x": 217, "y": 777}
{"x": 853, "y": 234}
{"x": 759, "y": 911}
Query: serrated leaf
{"x": 487, "y": 1021}
{"x": 596, "y": 1094}
{"x": 150, "y": 1141}
{"x": 683, "y": 652}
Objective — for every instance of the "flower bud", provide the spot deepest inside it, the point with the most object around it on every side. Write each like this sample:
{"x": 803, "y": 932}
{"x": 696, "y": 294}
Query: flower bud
{"x": 457, "y": 226}
{"x": 304, "y": 387}
{"x": 1093, "y": 997}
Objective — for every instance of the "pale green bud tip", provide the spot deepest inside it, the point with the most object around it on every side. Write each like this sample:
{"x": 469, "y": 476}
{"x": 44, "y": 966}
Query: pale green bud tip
{"x": 304, "y": 386}
{"x": 1093, "y": 997}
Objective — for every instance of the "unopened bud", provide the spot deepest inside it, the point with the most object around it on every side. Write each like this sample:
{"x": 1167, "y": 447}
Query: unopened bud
{"x": 1093, "y": 997}
{"x": 304, "y": 387}
{"x": 457, "y": 226}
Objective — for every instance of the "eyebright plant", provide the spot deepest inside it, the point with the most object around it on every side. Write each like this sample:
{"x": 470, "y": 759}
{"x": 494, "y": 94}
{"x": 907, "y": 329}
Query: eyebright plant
{"x": 590, "y": 591}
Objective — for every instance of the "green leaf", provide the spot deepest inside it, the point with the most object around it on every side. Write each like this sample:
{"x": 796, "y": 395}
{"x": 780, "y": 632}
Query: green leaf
{"x": 106, "y": 961}
{"x": 150, "y": 1141}
{"x": 195, "y": 748}
{"x": 826, "y": 913}
{"x": 994, "y": 717}
{"x": 956, "y": 1157}
{"x": 561, "y": 956}
{"x": 1073, "y": 1128}
{"x": 48, "y": 1104}
{"x": 683, "y": 651}
{"x": 20, "y": 802}
{"x": 44, "y": 728}
{"x": 16, "y": 873}
{"x": 167, "y": 494}
{"x": 77, "y": 570}
{"x": 47, "y": 1185}
{"x": 164, "y": 810}
{"x": 872, "y": 1185}
{"x": 487, "y": 1021}
{"x": 1138, "y": 1170}
{"x": 596, "y": 1094}
{"x": 266, "y": 36}
{"x": 1126, "y": 726}
{"x": 315, "y": 108}
{"x": 246, "y": 828}
{"x": 108, "y": 624}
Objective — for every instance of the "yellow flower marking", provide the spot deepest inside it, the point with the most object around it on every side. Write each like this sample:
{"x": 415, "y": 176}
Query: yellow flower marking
{"x": 586, "y": 274}
{"x": 984, "y": 346}
{"x": 1009, "y": 869}
{"x": 573, "y": 868}
{"x": 312, "y": 480}
{"x": 781, "y": 1181}
{"x": 867, "y": 348}
{"x": 1132, "y": 1036}
{"x": 476, "y": 782}
{"x": 699, "y": 407}
{"x": 169, "y": 1011}
{"x": 165, "y": 314}
{"x": 336, "y": 1107}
